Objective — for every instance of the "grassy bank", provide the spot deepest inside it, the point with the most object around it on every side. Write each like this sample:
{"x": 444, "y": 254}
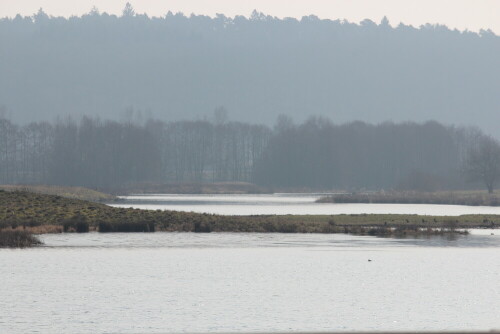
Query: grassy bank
{"x": 471, "y": 198}
{"x": 51, "y": 214}
{"x": 18, "y": 239}
{"x": 81, "y": 193}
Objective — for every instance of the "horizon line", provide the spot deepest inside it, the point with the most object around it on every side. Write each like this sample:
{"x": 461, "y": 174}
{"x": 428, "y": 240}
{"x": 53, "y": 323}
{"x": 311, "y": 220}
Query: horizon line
{"x": 95, "y": 11}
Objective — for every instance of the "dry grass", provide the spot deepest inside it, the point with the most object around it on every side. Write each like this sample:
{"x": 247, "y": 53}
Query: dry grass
{"x": 45, "y": 229}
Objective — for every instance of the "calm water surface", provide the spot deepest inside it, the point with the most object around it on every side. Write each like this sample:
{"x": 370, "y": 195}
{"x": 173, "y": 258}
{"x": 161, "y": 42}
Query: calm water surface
{"x": 283, "y": 204}
{"x": 224, "y": 282}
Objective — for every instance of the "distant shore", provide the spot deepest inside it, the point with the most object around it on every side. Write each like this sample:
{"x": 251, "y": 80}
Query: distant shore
{"x": 469, "y": 198}
{"x": 189, "y": 188}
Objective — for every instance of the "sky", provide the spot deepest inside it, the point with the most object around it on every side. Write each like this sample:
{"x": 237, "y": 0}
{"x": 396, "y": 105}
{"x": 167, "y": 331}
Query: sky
{"x": 461, "y": 14}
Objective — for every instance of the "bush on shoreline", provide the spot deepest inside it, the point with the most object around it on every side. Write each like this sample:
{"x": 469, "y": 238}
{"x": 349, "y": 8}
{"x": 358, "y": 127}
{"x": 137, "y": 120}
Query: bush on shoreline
{"x": 126, "y": 227}
{"x": 18, "y": 239}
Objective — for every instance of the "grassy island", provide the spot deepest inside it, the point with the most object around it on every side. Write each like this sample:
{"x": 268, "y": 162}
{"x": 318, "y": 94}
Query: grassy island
{"x": 82, "y": 193}
{"x": 42, "y": 213}
{"x": 470, "y": 198}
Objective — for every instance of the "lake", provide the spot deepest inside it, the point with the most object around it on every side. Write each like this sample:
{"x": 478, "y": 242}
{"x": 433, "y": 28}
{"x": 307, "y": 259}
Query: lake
{"x": 283, "y": 204}
{"x": 226, "y": 282}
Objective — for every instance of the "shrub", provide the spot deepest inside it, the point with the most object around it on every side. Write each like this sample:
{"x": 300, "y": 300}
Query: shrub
{"x": 202, "y": 227}
{"x": 77, "y": 223}
{"x": 82, "y": 227}
{"x": 106, "y": 227}
{"x": 18, "y": 239}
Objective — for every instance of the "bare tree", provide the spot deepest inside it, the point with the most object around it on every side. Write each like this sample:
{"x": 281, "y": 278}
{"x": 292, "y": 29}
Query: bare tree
{"x": 482, "y": 162}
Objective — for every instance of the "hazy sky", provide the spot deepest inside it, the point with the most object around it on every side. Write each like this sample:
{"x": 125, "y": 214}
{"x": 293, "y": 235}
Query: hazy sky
{"x": 461, "y": 14}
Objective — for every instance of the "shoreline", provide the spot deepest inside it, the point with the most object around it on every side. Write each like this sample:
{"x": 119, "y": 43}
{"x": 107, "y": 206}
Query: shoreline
{"x": 36, "y": 213}
{"x": 464, "y": 198}
{"x": 27, "y": 238}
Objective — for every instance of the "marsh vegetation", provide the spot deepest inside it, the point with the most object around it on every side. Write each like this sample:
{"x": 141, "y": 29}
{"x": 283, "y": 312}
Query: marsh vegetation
{"x": 23, "y": 211}
{"x": 81, "y": 193}
{"x": 471, "y": 198}
{"x": 18, "y": 239}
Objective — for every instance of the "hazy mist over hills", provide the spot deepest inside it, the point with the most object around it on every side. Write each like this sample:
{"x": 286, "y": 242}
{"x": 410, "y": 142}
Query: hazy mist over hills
{"x": 179, "y": 67}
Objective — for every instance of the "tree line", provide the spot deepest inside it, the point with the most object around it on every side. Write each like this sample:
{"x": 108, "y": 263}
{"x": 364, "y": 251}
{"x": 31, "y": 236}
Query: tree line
{"x": 99, "y": 154}
{"x": 181, "y": 66}
{"x": 316, "y": 154}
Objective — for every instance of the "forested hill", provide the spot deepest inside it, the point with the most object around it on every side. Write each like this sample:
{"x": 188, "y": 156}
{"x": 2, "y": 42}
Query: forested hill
{"x": 182, "y": 67}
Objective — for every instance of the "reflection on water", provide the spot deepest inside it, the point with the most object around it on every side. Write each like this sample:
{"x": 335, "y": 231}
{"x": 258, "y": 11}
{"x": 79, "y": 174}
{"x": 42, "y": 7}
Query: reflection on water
{"x": 477, "y": 238}
{"x": 284, "y": 204}
{"x": 226, "y": 282}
